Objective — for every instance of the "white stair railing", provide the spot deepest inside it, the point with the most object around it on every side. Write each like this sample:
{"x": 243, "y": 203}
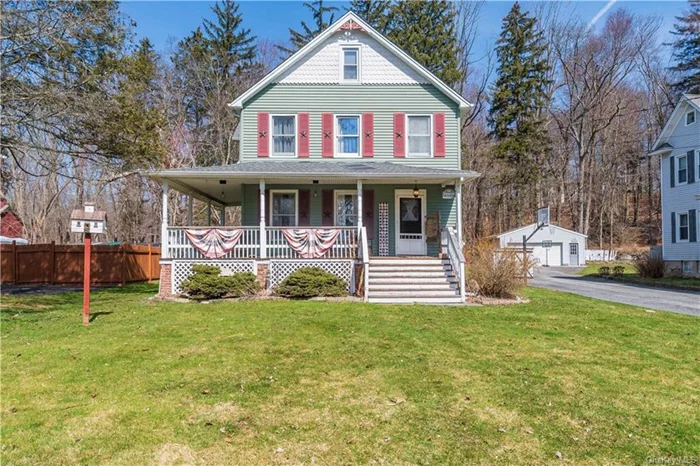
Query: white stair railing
{"x": 363, "y": 254}
{"x": 456, "y": 256}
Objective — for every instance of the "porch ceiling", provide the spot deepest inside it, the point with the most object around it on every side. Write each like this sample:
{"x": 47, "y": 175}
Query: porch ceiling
{"x": 222, "y": 184}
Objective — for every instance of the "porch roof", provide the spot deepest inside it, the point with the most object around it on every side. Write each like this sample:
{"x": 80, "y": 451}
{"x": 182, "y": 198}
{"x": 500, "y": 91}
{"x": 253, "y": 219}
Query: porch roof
{"x": 222, "y": 184}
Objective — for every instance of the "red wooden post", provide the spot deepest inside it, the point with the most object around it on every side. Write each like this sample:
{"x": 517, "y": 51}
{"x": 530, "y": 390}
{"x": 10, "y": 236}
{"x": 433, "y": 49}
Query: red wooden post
{"x": 86, "y": 279}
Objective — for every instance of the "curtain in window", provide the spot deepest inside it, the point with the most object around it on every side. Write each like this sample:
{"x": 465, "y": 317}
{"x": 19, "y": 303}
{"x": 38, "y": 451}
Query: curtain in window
{"x": 283, "y": 209}
{"x": 349, "y": 131}
{"x": 419, "y": 135}
{"x": 347, "y": 210}
{"x": 283, "y": 134}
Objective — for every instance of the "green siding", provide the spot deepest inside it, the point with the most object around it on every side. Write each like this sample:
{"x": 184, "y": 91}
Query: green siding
{"x": 382, "y": 193}
{"x": 382, "y": 101}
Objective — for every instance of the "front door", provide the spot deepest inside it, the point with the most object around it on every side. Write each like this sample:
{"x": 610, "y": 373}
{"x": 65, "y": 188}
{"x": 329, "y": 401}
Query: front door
{"x": 573, "y": 254}
{"x": 410, "y": 224}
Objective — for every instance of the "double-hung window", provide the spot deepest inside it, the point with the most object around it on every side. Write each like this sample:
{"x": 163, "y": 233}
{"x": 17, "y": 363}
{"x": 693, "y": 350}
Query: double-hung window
{"x": 690, "y": 118}
{"x": 284, "y": 135}
{"x": 419, "y": 135}
{"x": 682, "y": 176}
{"x": 351, "y": 64}
{"x": 346, "y": 208}
{"x": 283, "y": 211}
{"x": 683, "y": 227}
{"x": 348, "y": 130}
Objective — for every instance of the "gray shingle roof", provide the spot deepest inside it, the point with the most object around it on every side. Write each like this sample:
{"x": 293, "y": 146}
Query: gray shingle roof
{"x": 318, "y": 168}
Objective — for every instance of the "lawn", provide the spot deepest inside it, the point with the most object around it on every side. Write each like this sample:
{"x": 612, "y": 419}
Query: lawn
{"x": 275, "y": 382}
{"x": 630, "y": 275}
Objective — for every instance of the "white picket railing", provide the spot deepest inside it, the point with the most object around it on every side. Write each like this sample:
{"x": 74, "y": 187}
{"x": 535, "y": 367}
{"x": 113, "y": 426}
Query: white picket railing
{"x": 345, "y": 246}
{"x": 248, "y": 246}
{"x": 456, "y": 256}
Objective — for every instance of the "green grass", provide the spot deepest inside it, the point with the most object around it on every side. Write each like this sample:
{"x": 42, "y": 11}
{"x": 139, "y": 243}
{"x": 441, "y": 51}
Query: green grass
{"x": 345, "y": 383}
{"x": 631, "y": 276}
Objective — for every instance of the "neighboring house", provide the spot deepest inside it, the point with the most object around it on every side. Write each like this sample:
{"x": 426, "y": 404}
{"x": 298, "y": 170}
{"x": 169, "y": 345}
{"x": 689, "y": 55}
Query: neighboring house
{"x": 551, "y": 245}
{"x": 679, "y": 148}
{"x": 349, "y": 161}
{"x": 10, "y": 224}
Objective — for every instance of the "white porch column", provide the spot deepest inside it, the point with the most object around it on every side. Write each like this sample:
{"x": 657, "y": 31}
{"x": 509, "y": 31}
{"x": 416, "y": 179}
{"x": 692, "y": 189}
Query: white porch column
{"x": 360, "y": 211}
{"x": 164, "y": 253}
{"x": 263, "y": 237}
{"x": 209, "y": 214}
{"x": 222, "y": 220}
{"x": 458, "y": 192}
{"x": 189, "y": 211}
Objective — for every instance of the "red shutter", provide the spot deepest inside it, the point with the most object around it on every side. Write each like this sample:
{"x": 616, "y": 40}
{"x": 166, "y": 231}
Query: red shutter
{"x": 327, "y": 219}
{"x": 399, "y": 135}
{"x": 267, "y": 207}
{"x": 367, "y": 135}
{"x": 368, "y": 216}
{"x": 263, "y": 134}
{"x": 439, "y": 134}
{"x": 303, "y": 135}
{"x": 327, "y": 135}
{"x": 304, "y": 208}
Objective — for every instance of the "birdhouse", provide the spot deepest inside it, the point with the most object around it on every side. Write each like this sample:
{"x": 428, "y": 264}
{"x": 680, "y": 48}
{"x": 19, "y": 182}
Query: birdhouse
{"x": 88, "y": 220}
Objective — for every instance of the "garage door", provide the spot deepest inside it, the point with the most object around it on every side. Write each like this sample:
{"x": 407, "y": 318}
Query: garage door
{"x": 549, "y": 256}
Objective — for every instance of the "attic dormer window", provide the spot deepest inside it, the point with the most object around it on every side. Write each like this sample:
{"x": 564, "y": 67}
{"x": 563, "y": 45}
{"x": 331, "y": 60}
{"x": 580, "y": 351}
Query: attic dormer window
{"x": 690, "y": 118}
{"x": 351, "y": 64}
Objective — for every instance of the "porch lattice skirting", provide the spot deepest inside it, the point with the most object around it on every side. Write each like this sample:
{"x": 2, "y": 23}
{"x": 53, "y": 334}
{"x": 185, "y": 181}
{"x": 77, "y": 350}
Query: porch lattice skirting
{"x": 183, "y": 269}
{"x": 280, "y": 269}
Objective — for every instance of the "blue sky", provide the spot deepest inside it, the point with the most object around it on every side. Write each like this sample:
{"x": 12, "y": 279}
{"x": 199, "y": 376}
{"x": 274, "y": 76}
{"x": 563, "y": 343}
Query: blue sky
{"x": 165, "y": 21}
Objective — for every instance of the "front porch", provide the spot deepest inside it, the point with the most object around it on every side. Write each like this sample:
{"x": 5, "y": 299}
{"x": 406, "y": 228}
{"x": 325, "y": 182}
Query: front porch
{"x": 336, "y": 221}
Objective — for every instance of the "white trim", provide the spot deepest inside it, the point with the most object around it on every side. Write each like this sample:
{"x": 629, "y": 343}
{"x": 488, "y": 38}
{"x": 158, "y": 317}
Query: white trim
{"x": 272, "y": 136}
{"x": 335, "y": 204}
{"x": 430, "y": 136}
{"x": 296, "y": 204}
{"x": 678, "y": 169}
{"x": 678, "y": 227}
{"x": 237, "y": 104}
{"x": 341, "y": 78}
{"x": 695, "y": 117}
{"x": 551, "y": 225}
{"x": 336, "y": 143}
{"x": 399, "y": 193}
{"x": 669, "y": 127}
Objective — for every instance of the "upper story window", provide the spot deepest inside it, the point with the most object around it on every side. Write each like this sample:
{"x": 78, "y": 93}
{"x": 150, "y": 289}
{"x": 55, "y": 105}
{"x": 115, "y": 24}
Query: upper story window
{"x": 419, "y": 137}
{"x": 682, "y": 173}
{"x": 348, "y": 130}
{"x": 284, "y": 135}
{"x": 683, "y": 228}
{"x": 690, "y": 118}
{"x": 351, "y": 64}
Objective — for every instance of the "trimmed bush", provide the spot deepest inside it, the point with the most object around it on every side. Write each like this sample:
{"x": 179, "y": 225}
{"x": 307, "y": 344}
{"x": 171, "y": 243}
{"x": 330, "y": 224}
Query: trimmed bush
{"x": 310, "y": 282}
{"x": 649, "y": 266}
{"x": 492, "y": 272}
{"x": 206, "y": 282}
{"x": 604, "y": 271}
{"x": 618, "y": 270}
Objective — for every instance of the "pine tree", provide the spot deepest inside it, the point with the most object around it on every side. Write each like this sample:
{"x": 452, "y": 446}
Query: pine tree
{"x": 375, "y": 12}
{"x": 231, "y": 46}
{"x": 686, "y": 49}
{"x": 519, "y": 95}
{"x": 319, "y": 11}
{"x": 426, "y": 31}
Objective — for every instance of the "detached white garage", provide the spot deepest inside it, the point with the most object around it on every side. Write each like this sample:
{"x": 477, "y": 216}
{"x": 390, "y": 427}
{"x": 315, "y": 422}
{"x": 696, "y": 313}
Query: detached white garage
{"x": 551, "y": 245}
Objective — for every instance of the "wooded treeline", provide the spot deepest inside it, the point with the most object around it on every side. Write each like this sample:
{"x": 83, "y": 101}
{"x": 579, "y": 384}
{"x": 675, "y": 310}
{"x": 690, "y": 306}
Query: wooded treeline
{"x": 564, "y": 112}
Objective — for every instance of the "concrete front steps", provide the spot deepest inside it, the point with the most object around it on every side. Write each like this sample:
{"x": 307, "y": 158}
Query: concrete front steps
{"x": 427, "y": 280}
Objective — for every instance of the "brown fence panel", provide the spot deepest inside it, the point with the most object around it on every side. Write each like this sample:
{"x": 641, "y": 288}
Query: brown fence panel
{"x": 63, "y": 264}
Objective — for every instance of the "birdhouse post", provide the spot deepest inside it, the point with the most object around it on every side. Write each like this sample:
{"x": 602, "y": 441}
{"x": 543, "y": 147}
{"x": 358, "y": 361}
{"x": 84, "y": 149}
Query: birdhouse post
{"x": 87, "y": 221}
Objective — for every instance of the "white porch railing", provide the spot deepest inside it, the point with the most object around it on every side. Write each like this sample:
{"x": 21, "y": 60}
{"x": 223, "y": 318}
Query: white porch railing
{"x": 363, "y": 254}
{"x": 456, "y": 256}
{"x": 248, "y": 246}
{"x": 345, "y": 246}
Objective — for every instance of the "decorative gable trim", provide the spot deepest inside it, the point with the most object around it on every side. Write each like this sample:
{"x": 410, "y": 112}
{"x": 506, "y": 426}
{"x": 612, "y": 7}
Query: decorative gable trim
{"x": 351, "y": 25}
{"x": 351, "y": 18}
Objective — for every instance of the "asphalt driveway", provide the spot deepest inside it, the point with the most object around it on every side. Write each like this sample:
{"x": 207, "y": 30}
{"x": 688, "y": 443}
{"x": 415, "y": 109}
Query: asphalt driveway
{"x": 566, "y": 279}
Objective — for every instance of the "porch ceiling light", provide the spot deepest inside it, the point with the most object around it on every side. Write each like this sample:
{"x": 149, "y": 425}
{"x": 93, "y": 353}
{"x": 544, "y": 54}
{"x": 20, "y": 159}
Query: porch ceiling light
{"x": 416, "y": 191}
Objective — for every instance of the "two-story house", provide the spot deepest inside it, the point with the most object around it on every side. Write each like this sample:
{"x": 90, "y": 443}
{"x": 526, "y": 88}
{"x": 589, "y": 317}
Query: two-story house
{"x": 349, "y": 161}
{"x": 678, "y": 146}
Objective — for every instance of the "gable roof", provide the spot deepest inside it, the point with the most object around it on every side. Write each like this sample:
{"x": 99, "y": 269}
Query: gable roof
{"x": 333, "y": 28}
{"x": 661, "y": 144}
{"x": 551, "y": 225}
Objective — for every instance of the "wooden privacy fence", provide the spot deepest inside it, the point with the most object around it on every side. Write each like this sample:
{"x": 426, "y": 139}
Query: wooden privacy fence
{"x": 63, "y": 264}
